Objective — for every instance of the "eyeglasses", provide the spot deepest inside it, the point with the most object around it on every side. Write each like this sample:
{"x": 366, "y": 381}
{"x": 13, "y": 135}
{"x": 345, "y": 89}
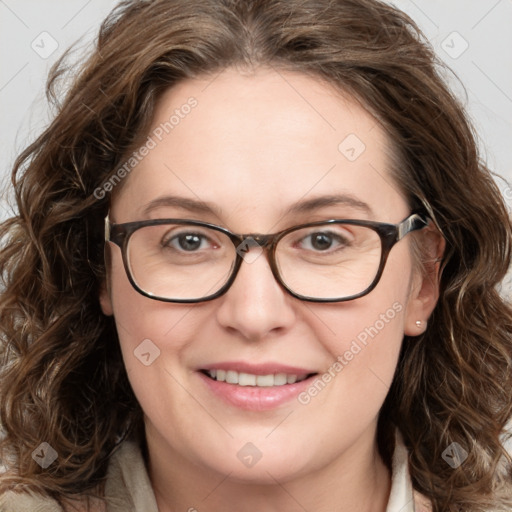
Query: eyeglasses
{"x": 177, "y": 260}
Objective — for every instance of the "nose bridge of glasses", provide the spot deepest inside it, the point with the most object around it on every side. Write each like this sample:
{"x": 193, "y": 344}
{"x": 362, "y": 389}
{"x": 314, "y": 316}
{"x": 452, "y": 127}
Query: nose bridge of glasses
{"x": 261, "y": 245}
{"x": 260, "y": 239}
{"x": 260, "y": 242}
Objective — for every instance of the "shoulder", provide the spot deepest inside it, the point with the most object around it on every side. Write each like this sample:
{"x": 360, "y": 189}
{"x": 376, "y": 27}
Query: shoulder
{"x": 127, "y": 489}
{"x": 27, "y": 502}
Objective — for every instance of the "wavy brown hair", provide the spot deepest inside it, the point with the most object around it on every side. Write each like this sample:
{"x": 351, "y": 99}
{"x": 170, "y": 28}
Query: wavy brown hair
{"x": 62, "y": 378}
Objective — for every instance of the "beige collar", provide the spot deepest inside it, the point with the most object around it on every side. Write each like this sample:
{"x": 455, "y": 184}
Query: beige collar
{"x": 403, "y": 498}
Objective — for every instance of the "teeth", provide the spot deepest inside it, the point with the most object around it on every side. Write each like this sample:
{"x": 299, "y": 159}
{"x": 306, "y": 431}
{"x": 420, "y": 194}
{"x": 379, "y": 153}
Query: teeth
{"x": 280, "y": 379}
{"x": 248, "y": 379}
{"x": 265, "y": 380}
{"x": 291, "y": 379}
{"x": 231, "y": 377}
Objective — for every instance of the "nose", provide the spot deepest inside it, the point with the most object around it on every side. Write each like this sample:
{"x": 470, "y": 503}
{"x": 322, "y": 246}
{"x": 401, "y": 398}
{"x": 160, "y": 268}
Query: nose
{"x": 256, "y": 306}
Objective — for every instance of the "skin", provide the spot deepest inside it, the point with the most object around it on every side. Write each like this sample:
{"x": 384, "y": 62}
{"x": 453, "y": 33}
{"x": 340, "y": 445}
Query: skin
{"x": 256, "y": 143}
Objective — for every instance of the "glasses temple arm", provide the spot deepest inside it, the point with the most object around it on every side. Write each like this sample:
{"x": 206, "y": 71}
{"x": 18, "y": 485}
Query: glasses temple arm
{"x": 412, "y": 223}
{"x": 107, "y": 228}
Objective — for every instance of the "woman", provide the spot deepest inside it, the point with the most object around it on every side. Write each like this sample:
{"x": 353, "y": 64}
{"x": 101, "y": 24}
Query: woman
{"x": 256, "y": 263}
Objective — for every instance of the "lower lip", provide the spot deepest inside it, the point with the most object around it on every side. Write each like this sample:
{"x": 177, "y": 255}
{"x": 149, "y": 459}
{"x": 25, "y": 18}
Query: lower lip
{"x": 255, "y": 398}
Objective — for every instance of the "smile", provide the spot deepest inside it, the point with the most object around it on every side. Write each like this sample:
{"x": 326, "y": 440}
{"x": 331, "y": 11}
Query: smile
{"x": 255, "y": 387}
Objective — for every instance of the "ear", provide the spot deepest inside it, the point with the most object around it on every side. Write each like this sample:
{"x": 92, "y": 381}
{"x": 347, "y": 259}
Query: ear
{"x": 105, "y": 299}
{"x": 105, "y": 291}
{"x": 424, "y": 289}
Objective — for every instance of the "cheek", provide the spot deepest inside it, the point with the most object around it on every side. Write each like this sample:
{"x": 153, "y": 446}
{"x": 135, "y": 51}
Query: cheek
{"x": 374, "y": 317}
{"x": 144, "y": 325}
{"x": 363, "y": 339}
{"x": 153, "y": 336}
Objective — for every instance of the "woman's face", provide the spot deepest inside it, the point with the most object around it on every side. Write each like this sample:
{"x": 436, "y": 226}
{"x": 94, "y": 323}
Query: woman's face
{"x": 251, "y": 147}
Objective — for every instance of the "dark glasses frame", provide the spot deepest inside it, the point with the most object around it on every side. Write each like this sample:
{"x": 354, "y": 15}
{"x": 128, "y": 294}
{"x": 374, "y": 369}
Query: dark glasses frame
{"x": 390, "y": 234}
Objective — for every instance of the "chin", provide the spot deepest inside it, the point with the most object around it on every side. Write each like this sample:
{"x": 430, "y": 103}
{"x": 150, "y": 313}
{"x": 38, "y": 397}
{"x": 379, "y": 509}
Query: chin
{"x": 246, "y": 463}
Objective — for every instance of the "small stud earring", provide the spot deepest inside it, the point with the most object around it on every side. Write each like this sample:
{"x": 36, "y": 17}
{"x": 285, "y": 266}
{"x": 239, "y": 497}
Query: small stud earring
{"x": 418, "y": 324}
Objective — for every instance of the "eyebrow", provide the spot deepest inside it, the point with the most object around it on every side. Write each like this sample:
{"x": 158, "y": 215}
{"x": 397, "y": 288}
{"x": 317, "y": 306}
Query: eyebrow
{"x": 330, "y": 200}
{"x": 302, "y": 206}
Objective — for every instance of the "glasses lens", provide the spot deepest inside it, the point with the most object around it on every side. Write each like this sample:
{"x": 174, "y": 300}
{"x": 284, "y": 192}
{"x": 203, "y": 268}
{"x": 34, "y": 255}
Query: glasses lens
{"x": 179, "y": 261}
{"x": 329, "y": 261}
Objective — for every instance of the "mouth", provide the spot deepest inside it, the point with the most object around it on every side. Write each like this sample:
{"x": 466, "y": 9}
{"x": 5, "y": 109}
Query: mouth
{"x": 250, "y": 379}
{"x": 255, "y": 387}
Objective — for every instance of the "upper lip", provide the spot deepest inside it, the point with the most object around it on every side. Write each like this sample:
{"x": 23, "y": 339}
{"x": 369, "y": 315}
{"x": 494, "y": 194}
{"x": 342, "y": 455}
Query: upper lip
{"x": 258, "y": 369}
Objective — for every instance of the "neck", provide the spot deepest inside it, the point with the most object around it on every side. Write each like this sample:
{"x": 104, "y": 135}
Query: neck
{"x": 357, "y": 480}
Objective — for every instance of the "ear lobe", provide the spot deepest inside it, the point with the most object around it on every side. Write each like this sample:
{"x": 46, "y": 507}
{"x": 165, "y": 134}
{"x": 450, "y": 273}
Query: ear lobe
{"x": 424, "y": 292}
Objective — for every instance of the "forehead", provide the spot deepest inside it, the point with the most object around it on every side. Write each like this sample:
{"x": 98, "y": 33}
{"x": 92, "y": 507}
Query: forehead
{"x": 258, "y": 142}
